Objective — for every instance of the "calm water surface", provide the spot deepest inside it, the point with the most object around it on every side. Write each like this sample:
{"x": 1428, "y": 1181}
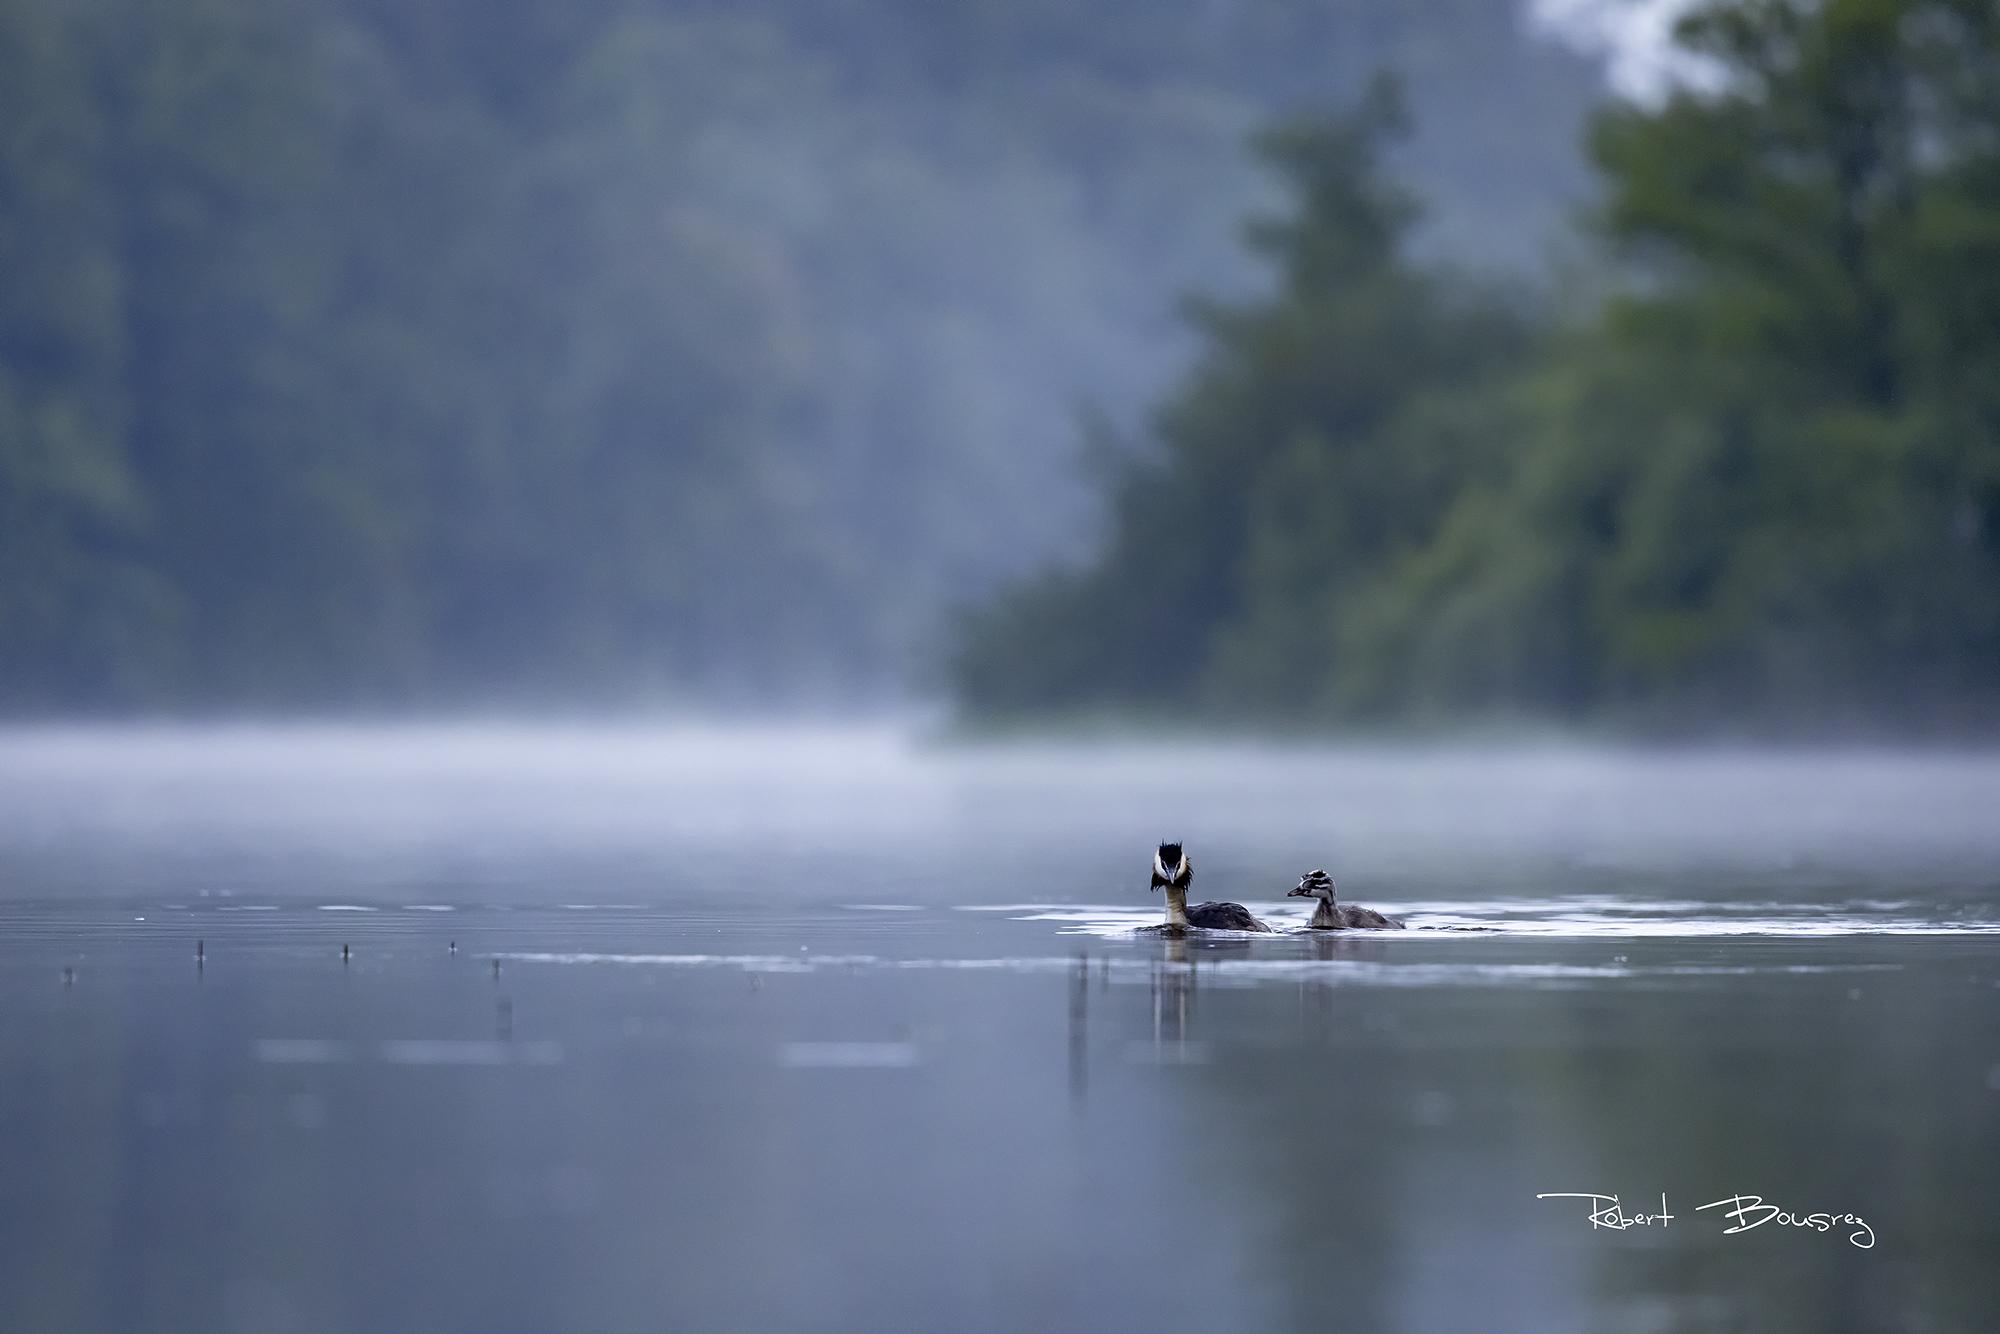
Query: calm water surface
{"x": 833, "y": 1032}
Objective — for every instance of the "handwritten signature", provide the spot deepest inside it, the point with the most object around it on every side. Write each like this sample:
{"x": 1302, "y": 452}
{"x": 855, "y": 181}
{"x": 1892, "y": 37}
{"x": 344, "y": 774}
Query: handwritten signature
{"x": 1747, "y": 1211}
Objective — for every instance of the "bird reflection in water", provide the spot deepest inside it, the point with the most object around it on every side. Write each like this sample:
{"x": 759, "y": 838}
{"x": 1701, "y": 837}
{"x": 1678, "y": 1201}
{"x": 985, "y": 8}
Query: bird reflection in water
{"x": 1176, "y": 978}
{"x": 1173, "y": 980}
{"x": 1330, "y": 947}
{"x": 1079, "y": 1028}
{"x": 1079, "y": 1020}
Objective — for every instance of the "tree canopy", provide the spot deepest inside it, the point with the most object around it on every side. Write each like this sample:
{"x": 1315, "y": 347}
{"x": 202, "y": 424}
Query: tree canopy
{"x": 1748, "y": 478}
{"x": 428, "y": 352}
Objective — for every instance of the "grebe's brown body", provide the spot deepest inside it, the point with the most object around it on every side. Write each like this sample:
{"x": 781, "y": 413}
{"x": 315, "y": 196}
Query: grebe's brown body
{"x": 1173, "y": 872}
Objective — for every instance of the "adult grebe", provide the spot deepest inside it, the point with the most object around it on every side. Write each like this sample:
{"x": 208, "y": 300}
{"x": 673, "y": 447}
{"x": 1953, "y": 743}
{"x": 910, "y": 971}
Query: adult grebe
{"x": 1173, "y": 872}
{"x": 1331, "y": 916}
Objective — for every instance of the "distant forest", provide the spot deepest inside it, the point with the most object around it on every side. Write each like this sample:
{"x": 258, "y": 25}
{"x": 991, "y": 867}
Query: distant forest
{"x": 1739, "y": 474}
{"x": 386, "y": 354}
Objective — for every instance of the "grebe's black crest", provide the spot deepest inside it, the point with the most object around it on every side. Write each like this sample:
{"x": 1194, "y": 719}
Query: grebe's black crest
{"x": 1170, "y": 867}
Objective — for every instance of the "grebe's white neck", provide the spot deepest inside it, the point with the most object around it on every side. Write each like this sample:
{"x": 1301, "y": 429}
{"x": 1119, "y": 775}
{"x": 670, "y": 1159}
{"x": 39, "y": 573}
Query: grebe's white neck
{"x": 1177, "y": 905}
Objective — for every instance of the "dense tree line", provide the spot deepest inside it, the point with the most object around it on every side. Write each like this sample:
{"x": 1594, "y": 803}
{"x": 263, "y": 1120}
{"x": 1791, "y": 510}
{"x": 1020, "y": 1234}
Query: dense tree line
{"x": 1743, "y": 475}
{"x": 386, "y": 352}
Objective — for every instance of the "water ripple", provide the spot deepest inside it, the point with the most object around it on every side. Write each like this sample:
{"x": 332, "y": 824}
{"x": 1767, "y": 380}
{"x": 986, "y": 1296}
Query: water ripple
{"x": 1574, "y": 916}
{"x": 1231, "y": 971}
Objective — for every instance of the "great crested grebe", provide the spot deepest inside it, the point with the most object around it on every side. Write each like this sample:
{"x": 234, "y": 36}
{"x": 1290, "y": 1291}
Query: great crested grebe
{"x": 1331, "y": 916}
{"x": 1173, "y": 872}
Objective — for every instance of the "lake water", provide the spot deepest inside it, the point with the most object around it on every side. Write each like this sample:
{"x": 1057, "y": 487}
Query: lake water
{"x": 832, "y": 1031}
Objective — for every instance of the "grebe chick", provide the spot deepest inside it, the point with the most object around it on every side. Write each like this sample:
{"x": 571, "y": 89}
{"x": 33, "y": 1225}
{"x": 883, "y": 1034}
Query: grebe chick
{"x": 1173, "y": 872}
{"x": 1331, "y": 916}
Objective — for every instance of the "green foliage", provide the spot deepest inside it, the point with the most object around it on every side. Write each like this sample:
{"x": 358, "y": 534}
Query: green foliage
{"x": 386, "y": 352}
{"x": 1315, "y": 446}
{"x": 1754, "y": 487}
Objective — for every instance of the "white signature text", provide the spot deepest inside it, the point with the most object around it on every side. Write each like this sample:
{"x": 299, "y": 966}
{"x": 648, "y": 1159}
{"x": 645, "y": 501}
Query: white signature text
{"x": 1744, "y": 1211}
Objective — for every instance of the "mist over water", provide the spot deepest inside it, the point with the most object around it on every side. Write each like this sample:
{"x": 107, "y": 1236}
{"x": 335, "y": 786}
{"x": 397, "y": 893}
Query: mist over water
{"x": 672, "y": 812}
{"x": 838, "y": 1028}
